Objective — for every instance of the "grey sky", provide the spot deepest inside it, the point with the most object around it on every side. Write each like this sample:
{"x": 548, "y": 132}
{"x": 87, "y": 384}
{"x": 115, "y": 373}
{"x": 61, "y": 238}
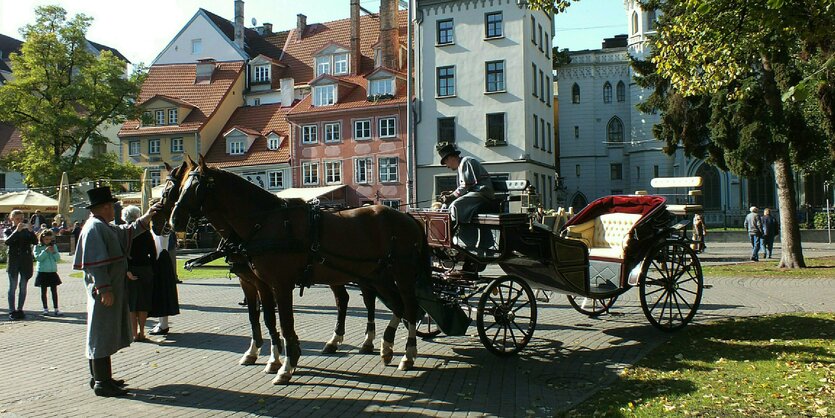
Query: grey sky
{"x": 140, "y": 29}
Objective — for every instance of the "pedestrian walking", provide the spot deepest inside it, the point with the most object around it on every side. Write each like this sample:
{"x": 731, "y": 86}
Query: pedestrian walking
{"x": 19, "y": 238}
{"x": 47, "y": 255}
{"x": 754, "y": 224}
{"x": 771, "y": 228}
{"x": 37, "y": 220}
{"x": 141, "y": 265}
{"x": 699, "y": 232}
{"x": 102, "y": 255}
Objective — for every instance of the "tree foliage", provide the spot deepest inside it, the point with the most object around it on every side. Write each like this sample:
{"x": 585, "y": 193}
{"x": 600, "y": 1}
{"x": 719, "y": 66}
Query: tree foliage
{"x": 720, "y": 70}
{"x": 61, "y": 96}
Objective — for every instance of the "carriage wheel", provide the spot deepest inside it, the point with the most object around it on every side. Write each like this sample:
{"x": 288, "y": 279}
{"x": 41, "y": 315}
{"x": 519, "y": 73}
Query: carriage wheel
{"x": 506, "y": 316}
{"x": 427, "y": 328}
{"x": 591, "y": 306}
{"x": 671, "y": 285}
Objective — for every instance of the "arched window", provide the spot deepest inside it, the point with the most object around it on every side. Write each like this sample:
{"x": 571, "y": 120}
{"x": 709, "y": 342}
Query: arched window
{"x": 651, "y": 19}
{"x": 711, "y": 198}
{"x": 634, "y": 22}
{"x": 614, "y": 130}
{"x": 621, "y": 91}
{"x": 575, "y": 93}
{"x": 607, "y": 92}
{"x": 761, "y": 190}
{"x": 578, "y": 202}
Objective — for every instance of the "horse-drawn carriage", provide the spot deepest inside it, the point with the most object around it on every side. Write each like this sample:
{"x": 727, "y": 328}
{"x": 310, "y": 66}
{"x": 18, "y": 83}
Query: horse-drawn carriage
{"x": 614, "y": 244}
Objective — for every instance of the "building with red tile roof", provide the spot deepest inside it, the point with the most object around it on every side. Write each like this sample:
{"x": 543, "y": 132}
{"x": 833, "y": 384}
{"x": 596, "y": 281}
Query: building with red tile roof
{"x": 255, "y": 143}
{"x": 351, "y": 129}
{"x": 185, "y": 108}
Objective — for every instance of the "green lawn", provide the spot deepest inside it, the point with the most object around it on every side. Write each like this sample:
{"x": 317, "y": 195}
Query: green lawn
{"x": 823, "y": 267}
{"x": 215, "y": 269}
{"x": 782, "y": 365}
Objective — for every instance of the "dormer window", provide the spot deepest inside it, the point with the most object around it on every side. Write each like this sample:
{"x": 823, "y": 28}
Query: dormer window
{"x": 261, "y": 74}
{"x": 323, "y": 65}
{"x": 324, "y": 95}
{"x": 381, "y": 86}
{"x": 273, "y": 142}
{"x": 172, "y": 116}
{"x": 160, "y": 117}
{"x": 235, "y": 147}
{"x": 340, "y": 64}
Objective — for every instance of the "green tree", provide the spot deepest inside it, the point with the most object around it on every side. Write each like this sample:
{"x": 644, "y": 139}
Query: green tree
{"x": 61, "y": 96}
{"x": 720, "y": 69}
{"x": 560, "y": 57}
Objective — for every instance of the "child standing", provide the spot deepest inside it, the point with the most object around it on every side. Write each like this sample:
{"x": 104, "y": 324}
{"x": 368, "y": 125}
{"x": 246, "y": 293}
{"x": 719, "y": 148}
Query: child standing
{"x": 46, "y": 252}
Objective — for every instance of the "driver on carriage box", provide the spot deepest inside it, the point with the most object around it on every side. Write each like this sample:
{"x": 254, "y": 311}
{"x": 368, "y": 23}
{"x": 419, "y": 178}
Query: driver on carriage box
{"x": 475, "y": 189}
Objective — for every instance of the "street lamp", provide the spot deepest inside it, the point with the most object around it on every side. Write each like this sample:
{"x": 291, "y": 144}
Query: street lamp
{"x": 560, "y": 189}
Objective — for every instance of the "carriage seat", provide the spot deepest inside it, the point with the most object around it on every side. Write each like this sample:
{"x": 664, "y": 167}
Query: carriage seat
{"x": 606, "y": 235}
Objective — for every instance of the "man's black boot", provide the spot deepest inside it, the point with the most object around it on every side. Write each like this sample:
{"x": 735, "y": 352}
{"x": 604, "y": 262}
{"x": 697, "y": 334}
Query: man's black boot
{"x": 120, "y": 383}
{"x": 104, "y": 385}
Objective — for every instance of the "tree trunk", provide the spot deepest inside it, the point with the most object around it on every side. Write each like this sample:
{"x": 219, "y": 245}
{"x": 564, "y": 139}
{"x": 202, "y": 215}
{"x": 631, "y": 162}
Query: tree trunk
{"x": 789, "y": 229}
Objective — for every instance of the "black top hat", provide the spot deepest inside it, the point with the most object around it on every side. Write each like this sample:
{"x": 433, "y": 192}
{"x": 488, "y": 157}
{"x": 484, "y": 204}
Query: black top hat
{"x": 446, "y": 150}
{"x": 99, "y": 195}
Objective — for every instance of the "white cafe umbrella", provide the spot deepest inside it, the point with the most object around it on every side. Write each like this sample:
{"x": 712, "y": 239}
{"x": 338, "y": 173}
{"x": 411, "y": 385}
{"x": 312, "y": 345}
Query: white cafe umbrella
{"x": 145, "y": 192}
{"x": 64, "y": 207}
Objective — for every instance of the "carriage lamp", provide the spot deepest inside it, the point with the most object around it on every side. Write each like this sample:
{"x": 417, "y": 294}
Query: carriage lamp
{"x": 530, "y": 199}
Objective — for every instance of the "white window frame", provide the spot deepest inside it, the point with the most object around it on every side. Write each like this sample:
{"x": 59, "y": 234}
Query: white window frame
{"x": 160, "y": 117}
{"x": 196, "y": 46}
{"x": 383, "y": 169}
{"x": 324, "y": 95}
{"x": 261, "y": 73}
{"x": 154, "y": 177}
{"x": 384, "y": 130}
{"x": 273, "y": 142}
{"x": 176, "y": 145}
{"x": 323, "y": 65}
{"x": 310, "y": 134}
{"x": 341, "y": 63}
{"x": 134, "y": 148}
{"x": 235, "y": 147}
{"x": 278, "y": 184}
{"x": 363, "y": 170}
{"x": 310, "y": 173}
{"x": 381, "y": 86}
{"x": 153, "y": 146}
{"x": 172, "y": 116}
{"x": 332, "y": 132}
{"x": 366, "y": 122}
{"x": 392, "y": 203}
{"x": 333, "y": 172}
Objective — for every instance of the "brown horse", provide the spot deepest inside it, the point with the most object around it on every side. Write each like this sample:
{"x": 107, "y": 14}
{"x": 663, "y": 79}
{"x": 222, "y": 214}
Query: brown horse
{"x": 374, "y": 246}
{"x": 256, "y": 289}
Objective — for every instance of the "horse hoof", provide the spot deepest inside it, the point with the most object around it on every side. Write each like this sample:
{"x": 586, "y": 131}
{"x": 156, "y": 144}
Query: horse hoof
{"x": 367, "y": 349}
{"x": 387, "y": 358}
{"x": 272, "y": 368}
{"x": 282, "y": 379}
{"x": 247, "y": 360}
{"x": 406, "y": 365}
{"x": 330, "y": 349}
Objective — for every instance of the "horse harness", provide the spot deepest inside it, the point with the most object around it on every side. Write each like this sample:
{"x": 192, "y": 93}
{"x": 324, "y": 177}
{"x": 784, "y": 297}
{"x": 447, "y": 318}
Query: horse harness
{"x": 253, "y": 247}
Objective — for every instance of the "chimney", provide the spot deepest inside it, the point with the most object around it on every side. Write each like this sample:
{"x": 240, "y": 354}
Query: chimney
{"x": 287, "y": 92}
{"x": 355, "y": 37}
{"x": 205, "y": 69}
{"x": 239, "y": 23}
{"x": 268, "y": 29}
{"x": 301, "y": 25}
{"x": 389, "y": 33}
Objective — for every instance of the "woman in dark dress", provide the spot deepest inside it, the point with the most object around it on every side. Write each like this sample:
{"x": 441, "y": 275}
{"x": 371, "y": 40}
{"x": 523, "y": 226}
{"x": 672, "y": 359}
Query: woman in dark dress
{"x": 143, "y": 257}
{"x": 165, "y": 301}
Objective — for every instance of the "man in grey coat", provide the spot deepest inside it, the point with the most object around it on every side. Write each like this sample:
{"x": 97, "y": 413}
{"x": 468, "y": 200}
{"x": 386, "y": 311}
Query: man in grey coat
{"x": 475, "y": 190}
{"x": 754, "y": 224}
{"x": 101, "y": 253}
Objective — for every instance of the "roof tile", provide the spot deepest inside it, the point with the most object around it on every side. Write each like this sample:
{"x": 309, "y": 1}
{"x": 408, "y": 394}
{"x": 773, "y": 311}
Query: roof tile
{"x": 262, "y": 119}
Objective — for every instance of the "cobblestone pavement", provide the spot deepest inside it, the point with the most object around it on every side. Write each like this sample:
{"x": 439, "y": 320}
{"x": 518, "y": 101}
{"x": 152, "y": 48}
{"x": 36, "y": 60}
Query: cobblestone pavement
{"x": 195, "y": 371}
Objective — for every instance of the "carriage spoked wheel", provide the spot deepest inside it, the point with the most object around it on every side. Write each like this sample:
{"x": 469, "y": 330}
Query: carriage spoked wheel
{"x": 506, "y": 316}
{"x": 427, "y": 327}
{"x": 671, "y": 285}
{"x": 591, "y": 306}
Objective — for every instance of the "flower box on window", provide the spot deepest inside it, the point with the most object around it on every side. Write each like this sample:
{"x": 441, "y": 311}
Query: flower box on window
{"x": 492, "y": 142}
{"x": 380, "y": 97}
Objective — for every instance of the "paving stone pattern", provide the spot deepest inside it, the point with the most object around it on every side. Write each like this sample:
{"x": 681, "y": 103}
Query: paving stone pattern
{"x": 195, "y": 371}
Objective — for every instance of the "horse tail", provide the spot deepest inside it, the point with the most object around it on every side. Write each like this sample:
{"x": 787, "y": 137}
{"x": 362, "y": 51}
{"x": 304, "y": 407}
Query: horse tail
{"x": 424, "y": 258}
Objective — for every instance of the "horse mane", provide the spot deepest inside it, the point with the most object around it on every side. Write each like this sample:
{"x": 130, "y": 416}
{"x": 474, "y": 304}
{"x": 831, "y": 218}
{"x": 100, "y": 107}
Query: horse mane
{"x": 250, "y": 192}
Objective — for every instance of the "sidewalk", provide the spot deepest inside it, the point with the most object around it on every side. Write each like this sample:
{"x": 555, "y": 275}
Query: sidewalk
{"x": 195, "y": 372}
